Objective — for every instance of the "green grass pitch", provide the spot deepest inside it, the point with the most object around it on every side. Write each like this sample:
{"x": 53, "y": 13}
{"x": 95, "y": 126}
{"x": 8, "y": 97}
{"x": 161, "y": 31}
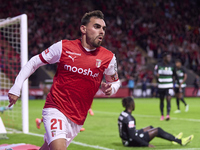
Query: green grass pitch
{"x": 102, "y": 130}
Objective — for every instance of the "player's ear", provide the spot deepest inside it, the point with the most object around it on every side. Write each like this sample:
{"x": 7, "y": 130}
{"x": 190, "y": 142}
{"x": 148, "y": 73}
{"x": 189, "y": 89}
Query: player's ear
{"x": 83, "y": 29}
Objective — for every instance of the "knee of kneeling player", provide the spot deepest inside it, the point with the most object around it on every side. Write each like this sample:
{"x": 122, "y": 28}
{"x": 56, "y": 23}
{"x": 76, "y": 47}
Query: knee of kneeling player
{"x": 151, "y": 126}
{"x": 160, "y": 130}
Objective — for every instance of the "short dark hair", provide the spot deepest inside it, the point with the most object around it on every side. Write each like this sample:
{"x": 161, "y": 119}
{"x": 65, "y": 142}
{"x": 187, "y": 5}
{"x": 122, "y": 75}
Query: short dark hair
{"x": 165, "y": 53}
{"x": 86, "y": 18}
{"x": 127, "y": 101}
{"x": 178, "y": 60}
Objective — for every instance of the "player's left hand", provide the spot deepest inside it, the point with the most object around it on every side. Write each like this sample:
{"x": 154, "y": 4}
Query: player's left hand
{"x": 12, "y": 99}
{"x": 106, "y": 88}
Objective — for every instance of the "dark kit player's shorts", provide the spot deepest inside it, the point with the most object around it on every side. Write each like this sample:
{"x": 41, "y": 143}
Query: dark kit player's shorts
{"x": 177, "y": 90}
{"x": 142, "y": 135}
{"x": 165, "y": 92}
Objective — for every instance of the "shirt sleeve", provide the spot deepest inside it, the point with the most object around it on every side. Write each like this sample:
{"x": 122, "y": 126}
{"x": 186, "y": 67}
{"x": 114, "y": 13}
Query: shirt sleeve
{"x": 176, "y": 78}
{"x": 30, "y": 67}
{"x": 52, "y": 54}
{"x": 156, "y": 69}
{"x": 111, "y": 75}
{"x": 184, "y": 70}
{"x": 112, "y": 67}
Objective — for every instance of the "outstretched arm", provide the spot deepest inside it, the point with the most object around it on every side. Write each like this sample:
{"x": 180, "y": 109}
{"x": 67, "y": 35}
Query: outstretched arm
{"x": 50, "y": 55}
{"x": 184, "y": 78}
{"x": 33, "y": 64}
{"x": 156, "y": 71}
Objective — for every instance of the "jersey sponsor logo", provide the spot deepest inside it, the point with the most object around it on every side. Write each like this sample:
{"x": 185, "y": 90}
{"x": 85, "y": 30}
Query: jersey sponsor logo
{"x": 72, "y": 57}
{"x": 131, "y": 124}
{"x": 98, "y": 63}
{"x": 46, "y": 51}
{"x": 72, "y": 53}
{"x": 86, "y": 72}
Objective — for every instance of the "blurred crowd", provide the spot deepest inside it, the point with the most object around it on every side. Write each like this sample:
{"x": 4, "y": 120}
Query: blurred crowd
{"x": 151, "y": 25}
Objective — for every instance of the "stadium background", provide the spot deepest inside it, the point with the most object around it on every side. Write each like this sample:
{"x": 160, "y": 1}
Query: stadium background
{"x": 138, "y": 31}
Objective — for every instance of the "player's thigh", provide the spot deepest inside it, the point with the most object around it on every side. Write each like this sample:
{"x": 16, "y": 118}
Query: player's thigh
{"x": 168, "y": 93}
{"x": 56, "y": 126}
{"x": 147, "y": 128}
{"x": 177, "y": 95}
{"x": 176, "y": 91}
{"x": 152, "y": 133}
{"x": 180, "y": 95}
{"x": 58, "y": 144}
{"x": 161, "y": 93}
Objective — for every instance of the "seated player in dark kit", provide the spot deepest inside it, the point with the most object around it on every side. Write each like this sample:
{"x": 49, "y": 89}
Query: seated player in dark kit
{"x": 136, "y": 138}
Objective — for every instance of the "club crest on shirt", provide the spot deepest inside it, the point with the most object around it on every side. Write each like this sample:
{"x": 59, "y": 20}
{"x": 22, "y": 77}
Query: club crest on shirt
{"x": 98, "y": 63}
{"x": 53, "y": 133}
{"x": 46, "y": 51}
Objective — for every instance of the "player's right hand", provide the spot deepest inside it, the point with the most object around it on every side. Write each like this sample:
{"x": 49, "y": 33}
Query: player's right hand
{"x": 150, "y": 145}
{"x": 106, "y": 88}
{"x": 12, "y": 99}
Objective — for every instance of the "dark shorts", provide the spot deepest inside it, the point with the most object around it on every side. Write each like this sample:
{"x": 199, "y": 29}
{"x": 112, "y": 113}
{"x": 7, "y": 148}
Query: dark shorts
{"x": 130, "y": 89}
{"x": 142, "y": 135}
{"x": 164, "y": 92}
{"x": 177, "y": 90}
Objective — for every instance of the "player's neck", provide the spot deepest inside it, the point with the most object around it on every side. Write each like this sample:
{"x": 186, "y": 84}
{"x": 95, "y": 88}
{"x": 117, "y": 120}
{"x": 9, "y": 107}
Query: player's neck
{"x": 129, "y": 110}
{"x": 87, "y": 46}
{"x": 89, "y": 50}
{"x": 166, "y": 63}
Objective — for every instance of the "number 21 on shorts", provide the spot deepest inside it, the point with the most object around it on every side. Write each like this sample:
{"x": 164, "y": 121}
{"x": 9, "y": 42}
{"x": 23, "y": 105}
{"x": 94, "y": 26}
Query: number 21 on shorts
{"x": 54, "y": 122}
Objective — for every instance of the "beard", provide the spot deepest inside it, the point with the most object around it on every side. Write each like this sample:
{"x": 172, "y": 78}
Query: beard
{"x": 94, "y": 42}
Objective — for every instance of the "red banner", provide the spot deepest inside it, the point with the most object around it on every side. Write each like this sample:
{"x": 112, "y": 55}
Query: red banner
{"x": 122, "y": 92}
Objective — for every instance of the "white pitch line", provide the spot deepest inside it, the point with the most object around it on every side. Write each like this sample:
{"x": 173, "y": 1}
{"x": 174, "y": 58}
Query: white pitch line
{"x": 183, "y": 149}
{"x": 11, "y": 130}
{"x": 99, "y": 147}
{"x": 148, "y": 116}
{"x": 92, "y": 146}
{"x": 77, "y": 143}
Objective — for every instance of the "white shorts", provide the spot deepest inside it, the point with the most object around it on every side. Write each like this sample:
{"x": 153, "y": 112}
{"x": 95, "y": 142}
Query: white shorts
{"x": 57, "y": 126}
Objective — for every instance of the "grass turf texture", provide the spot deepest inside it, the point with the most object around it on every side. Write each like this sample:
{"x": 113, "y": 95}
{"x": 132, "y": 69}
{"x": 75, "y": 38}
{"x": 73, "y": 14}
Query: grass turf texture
{"x": 102, "y": 129}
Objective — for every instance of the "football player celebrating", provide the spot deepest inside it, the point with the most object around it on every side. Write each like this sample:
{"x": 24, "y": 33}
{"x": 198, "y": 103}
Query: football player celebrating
{"x": 136, "y": 138}
{"x": 81, "y": 65}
